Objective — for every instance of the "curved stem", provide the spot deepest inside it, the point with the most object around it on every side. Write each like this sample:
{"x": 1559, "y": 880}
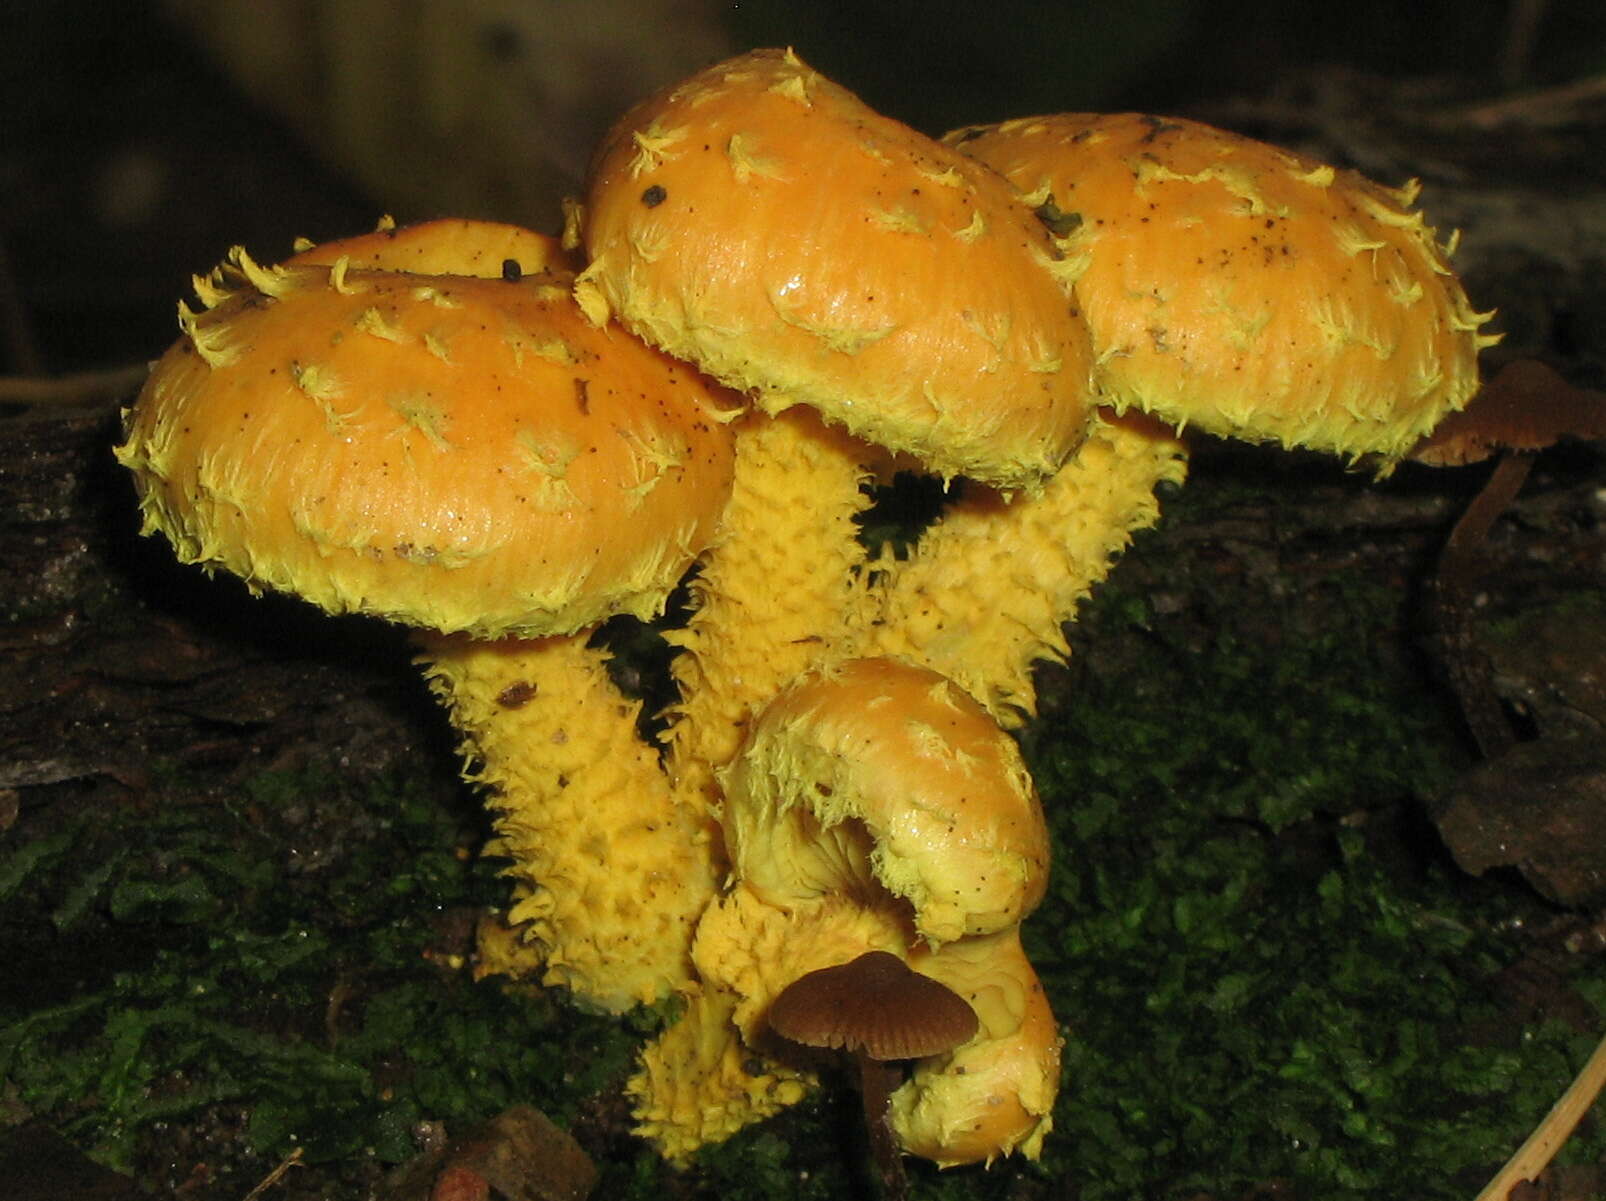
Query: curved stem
{"x": 988, "y": 588}
{"x": 775, "y": 593}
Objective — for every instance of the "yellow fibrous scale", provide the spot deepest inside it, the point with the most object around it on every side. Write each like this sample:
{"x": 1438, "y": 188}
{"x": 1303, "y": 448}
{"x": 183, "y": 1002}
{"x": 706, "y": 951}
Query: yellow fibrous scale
{"x": 372, "y": 321}
{"x": 612, "y": 869}
{"x": 649, "y": 244}
{"x": 421, "y": 413}
{"x": 272, "y": 282}
{"x": 777, "y": 591}
{"x": 699, "y": 1083}
{"x": 1337, "y": 287}
{"x": 555, "y": 350}
{"x": 337, "y": 275}
{"x": 653, "y": 459}
{"x": 843, "y": 279}
{"x": 984, "y": 595}
{"x": 323, "y": 387}
{"x": 441, "y": 298}
{"x": 437, "y": 345}
{"x": 972, "y": 229}
{"x": 946, "y": 176}
{"x": 548, "y": 463}
{"x": 405, "y": 487}
{"x": 1322, "y": 176}
{"x": 211, "y": 288}
{"x": 746, "y": 161}
{"x": 653, "y": 146}
{"x": 899, "y": 220}
{"x": 841, "y": 339}
{"x": 794, "y": 87}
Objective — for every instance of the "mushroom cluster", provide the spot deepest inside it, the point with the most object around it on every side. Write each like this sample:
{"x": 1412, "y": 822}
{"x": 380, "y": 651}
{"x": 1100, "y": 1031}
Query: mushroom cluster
{"x": 874, "y": 807}
{"x": 769, "y": 296}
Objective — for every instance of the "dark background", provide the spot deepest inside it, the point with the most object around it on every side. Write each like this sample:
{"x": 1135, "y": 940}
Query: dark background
{"x": 131, "y": 156}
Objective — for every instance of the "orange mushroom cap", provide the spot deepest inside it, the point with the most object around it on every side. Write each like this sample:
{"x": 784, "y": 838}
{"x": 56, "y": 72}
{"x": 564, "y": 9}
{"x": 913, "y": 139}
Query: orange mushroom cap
{"x": 458, "y": 453}
{"x": 894, "y": 768}
{"x": 1243, "y": 289}
{"x": 445, "y": 246}
{"x": 764, "y": 223}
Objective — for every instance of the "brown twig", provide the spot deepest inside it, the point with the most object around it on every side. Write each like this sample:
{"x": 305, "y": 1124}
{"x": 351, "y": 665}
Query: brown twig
{"x": 291, "y": 1160}
{"x": 82, "y": 388}
{"x": 1547, "y": 107}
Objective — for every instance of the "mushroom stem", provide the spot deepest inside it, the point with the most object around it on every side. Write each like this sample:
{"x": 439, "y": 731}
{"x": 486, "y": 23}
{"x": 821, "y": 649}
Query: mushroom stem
{"x": 699, "y": 1082}
{"x": 877, "y": 1079}
{"x": 775, "y": 593}
{"x": 988, "y": 587}
{"x": 1466, "y": 666}
{"x": 613, "y": 869}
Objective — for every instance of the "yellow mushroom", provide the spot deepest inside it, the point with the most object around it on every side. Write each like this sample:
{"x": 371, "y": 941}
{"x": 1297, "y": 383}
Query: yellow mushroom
{"x": 875, "y": 292}
{"x": 1229, "y": 286}
{"x": 763, "y": 222}
{"x": 470, "y": 456}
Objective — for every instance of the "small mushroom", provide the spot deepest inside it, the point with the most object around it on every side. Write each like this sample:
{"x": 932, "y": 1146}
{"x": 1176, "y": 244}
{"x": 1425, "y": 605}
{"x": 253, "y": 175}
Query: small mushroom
{"x": 1526, "y": 408}
{"x": 878, "y": 1010}
{"x": 876, "y": 1006}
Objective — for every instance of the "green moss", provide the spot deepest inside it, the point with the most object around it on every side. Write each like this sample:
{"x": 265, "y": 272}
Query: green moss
{"x": 272, "y": 955}
{"x": 1266, "y": 968}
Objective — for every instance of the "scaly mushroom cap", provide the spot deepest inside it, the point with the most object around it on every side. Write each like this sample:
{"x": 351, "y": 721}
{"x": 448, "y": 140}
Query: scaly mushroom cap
{"x": 874, "y": 1005}
{"x": 461, "y": 454}
{"x": 1243, "y": 289}
{"x": 892, "y": 766}
{"x": 762, "y": 222}
{"x": 447, "y": 246}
